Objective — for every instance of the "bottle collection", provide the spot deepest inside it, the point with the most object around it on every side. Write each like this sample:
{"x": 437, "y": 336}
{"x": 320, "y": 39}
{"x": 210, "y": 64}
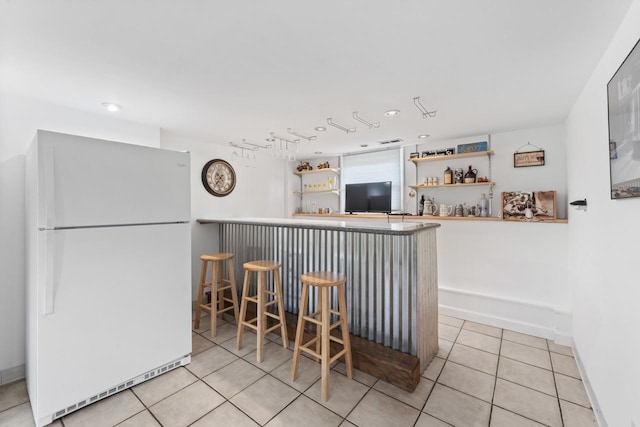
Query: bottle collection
{"x": 427, "y": 206}
{"x": 457, "y": 176}
{"x": 331, "y": 183}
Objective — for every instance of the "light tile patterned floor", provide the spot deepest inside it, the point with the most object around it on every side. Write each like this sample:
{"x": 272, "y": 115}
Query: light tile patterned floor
{"x": 483, "y": 376}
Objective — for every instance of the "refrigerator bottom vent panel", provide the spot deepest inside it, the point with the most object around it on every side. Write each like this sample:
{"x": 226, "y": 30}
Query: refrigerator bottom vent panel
{"x": 127, "y": 384}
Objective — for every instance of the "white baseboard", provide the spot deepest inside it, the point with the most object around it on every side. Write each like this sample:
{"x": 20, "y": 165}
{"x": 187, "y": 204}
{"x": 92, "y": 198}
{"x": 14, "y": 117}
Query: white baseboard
{"x": 517, "y": 315}
{"x": 590, "y": 393}
{"x": 12, "y": 374}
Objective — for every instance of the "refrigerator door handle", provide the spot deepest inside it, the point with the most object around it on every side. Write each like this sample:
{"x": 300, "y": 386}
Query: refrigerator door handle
{"x": 49, "y": 187}
{"x": 49, "y": 277}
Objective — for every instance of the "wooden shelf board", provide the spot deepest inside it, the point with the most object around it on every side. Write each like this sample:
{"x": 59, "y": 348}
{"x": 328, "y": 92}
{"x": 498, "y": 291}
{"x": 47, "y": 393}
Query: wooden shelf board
{"x": 318, "y": 191}
{"x": 417, "y": 160}
{"x": 334, "y": 170}
{"x": 427, "y": 218}
{"x": 452, "y": 185}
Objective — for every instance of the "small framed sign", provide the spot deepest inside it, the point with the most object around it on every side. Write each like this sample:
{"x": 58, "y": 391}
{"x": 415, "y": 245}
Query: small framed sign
{"x": 472, "y": 148}
{"x": 529, "y": 158}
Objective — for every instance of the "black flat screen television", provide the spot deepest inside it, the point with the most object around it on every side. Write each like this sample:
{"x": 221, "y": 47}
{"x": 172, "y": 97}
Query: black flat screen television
{"x": 368, "y": 197}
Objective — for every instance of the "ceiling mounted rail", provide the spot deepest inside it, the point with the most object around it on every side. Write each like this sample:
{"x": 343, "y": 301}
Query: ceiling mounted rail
{"x": 288, "y": 141}
{"x": 335, "y": 125}
{"x": 285, "y": 149}
{"x": 425, "y": 113}
{"x": 361, "y": 120}
{"x": 248, "y": 160}
{"x": 243, "y": 145}
{"x": 308, "y": 138}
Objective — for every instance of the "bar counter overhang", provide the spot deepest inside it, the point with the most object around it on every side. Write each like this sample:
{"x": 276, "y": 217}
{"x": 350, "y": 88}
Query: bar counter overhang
{"x": 391, "y": 271}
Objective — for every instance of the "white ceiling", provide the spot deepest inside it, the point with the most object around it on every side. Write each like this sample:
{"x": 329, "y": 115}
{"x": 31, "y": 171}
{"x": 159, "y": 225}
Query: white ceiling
{"x": 222, "y": 71}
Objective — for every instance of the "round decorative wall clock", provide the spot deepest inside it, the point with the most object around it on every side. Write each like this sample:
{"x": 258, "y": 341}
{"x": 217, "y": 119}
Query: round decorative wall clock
{"x": 218, "y": 177}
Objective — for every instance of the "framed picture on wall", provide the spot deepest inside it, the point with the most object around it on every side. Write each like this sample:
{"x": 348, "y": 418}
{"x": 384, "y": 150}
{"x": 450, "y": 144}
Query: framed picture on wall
{"x": 623, "y": 96}
{"x": 534, "y": 206}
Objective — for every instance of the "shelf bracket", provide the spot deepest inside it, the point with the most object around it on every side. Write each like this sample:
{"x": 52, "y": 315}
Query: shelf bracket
{"x": 335, "y": 125}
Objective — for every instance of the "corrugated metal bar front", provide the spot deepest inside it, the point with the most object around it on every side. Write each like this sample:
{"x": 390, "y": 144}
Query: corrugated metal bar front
{"x": 380, "y": 269}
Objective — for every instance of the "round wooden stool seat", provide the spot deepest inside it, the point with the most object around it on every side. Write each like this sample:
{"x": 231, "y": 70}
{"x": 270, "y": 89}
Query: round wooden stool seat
{"x": 262, "y": 265}
{"x": 325, "y": 282}
{"x": 218, "y": 286}
{"x": 222, "y": 256}
{"x": 323, "y": 278}
{"x": 264, "y": 298}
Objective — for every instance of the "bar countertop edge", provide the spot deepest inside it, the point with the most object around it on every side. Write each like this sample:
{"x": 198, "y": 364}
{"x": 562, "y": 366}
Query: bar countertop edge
{"x": 389, "y": 228}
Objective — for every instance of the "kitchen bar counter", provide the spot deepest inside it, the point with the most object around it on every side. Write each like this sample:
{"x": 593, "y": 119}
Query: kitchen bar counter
{"x": 390, "y": 228}
{"x": 391, "y": 272}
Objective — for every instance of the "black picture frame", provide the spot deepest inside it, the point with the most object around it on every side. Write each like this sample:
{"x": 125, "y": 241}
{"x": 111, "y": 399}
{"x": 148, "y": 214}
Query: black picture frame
{"x": 623, "y": 103}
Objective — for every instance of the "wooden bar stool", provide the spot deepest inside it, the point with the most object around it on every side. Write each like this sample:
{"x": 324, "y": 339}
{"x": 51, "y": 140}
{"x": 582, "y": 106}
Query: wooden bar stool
{"x": 324, "y": 281}
{"x": 263, "y": 299}
{"x": 218, "y": 285}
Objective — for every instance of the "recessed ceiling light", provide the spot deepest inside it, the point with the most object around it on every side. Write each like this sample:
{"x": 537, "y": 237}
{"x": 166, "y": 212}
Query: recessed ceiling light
{"x": 424, "y": 136}
{"x": 392, "y": 113}
{"x": 317, "y": 152}
{"x": 320, "y": 128}
{"x": 111, "y": 106}
{"x": 364, "y": 145}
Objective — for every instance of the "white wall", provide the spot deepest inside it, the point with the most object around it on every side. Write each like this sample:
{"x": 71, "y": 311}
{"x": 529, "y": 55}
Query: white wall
{"x": 258, "y": 193}
{"x": 603, "y": 247}
{"x": 19, "y": 120}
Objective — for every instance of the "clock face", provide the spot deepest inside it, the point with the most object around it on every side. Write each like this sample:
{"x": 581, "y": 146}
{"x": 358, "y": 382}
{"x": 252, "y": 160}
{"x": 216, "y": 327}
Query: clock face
{"x": 218, "y": 177}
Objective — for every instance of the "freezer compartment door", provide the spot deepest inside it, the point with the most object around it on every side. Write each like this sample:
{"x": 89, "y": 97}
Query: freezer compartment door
{"x": 92, "y": 182}
{"x": 121, "y": 305}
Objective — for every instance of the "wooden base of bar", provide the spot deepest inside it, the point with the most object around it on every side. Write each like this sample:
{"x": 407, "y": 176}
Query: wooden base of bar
{"x": 392, "y": 366}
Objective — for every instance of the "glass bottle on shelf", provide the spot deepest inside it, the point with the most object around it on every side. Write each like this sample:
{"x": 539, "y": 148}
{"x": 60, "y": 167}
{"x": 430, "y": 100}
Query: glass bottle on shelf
{"x": 483, "y": 205}
{"x": 448, "y": 175}
{"x": 470, "y": 176}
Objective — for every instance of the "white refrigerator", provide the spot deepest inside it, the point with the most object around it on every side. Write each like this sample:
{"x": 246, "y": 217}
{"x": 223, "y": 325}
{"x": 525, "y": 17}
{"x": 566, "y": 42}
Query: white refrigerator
{"x": 108, "y": 269}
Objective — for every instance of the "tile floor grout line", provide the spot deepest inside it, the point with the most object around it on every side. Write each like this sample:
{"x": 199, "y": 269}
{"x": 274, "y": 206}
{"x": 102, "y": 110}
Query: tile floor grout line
{"x": 446, "y": 359}
{"x": 356, "y": 405}
{"x": 527, "y": 387}
{"x": 524, "y": 416}
{"x": 526, "y": 363}
{"x": 555, "y": 384}
{"x": 468, "y": 367}
{"x": 146, "y": 408}
{"x": 495, "y": 381}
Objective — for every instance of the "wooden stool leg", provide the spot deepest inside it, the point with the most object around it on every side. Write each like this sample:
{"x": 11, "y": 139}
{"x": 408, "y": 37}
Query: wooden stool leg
{"x": 243, "y": 308}
{"x": 304, "y": 302}
{"x": 203, "y": 274}
{"x": 319, "y": 306}
{"x": 283, "y": 322}
{"x": 262, "y": 315}
{"x": 342, "y": 302}
{"x": 214, "y": 298}
{"x": 219, "y": 284}
{"x": 326, "y": 321}
{"x": 234, "y": 291}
